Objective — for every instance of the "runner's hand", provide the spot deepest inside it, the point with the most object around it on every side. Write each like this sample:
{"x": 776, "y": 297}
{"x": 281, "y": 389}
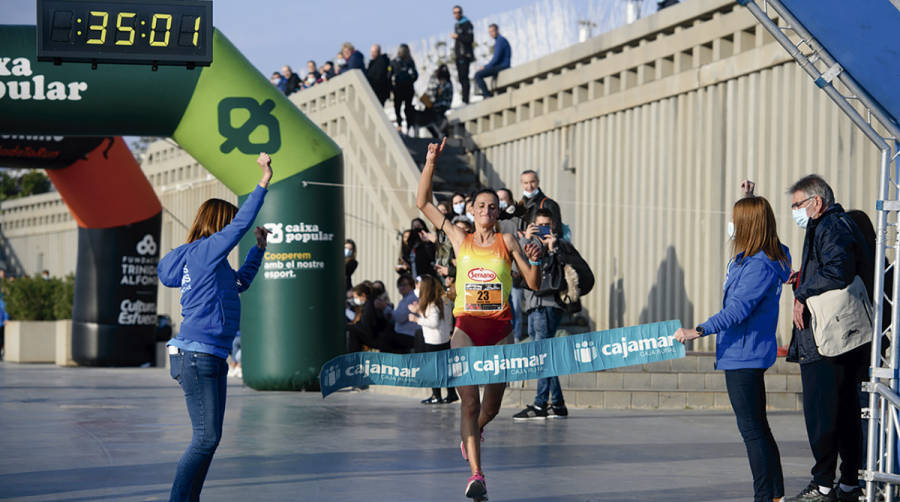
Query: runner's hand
{"x": 265, "y": 163}
{"x": 532, "y": 251}
{"x": 435, "y": 151}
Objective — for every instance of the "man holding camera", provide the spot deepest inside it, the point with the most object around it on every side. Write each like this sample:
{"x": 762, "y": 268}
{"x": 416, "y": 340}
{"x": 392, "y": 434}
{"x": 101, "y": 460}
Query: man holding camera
{"x": 544, "y": 311}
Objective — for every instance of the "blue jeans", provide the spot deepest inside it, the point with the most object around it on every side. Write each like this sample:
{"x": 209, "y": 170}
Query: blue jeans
{"x": 515, "y": 304}
{"x": 747, "y": 392}
{"x": 542, "y": 323}
{"x": 480, "y": 75}
{"x": 203, "y": 379}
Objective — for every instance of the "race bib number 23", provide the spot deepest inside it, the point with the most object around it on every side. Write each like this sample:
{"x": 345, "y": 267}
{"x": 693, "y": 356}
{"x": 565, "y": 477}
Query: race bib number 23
{"x": 484, "y": 297}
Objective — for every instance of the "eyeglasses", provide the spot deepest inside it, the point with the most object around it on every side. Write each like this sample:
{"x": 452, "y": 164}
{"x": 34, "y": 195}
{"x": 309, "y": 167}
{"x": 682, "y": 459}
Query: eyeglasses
{"x": 797, "y": 205}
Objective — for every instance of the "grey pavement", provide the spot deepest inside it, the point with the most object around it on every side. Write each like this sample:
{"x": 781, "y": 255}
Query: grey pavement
{"x": 92, "y": 434}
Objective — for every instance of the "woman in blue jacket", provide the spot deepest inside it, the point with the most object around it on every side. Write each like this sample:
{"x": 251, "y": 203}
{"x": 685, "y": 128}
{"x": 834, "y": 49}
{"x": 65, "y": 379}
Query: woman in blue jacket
{"x": 212, "y": 313}
{"x": 746, "y": 345}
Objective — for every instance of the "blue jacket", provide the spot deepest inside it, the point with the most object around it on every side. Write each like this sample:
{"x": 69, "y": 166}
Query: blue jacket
{"x": 209, "y": 286}
{"x": 354, "y": 62}
{"x": 749, "y": 317}
{"x": 502, "y": 54}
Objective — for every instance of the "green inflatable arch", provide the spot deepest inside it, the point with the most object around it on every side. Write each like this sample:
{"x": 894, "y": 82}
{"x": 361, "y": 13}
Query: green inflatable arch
{"x": 223, "y": 115}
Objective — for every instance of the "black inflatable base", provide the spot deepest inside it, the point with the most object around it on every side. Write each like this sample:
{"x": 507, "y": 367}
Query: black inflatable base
{"x": 110, "y": 345}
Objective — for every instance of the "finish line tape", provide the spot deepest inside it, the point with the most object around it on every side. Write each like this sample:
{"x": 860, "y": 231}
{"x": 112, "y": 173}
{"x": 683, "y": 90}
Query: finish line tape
{"x": 595, "y": 351}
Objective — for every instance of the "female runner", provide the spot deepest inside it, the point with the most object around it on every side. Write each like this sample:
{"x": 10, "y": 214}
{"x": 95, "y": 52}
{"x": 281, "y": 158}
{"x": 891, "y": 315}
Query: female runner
{"x": 483, "y": 280}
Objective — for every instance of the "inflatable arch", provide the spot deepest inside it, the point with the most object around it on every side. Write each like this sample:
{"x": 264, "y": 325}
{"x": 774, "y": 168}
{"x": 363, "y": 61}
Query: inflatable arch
{"x": 223, "y": 115}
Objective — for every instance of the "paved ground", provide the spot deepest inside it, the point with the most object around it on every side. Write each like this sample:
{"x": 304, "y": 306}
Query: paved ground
{"x": 115, "y": 434}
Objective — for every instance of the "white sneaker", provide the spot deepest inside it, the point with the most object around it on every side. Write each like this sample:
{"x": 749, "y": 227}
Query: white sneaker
{"x": 239, "y": 373}
{"x": 232, "y": 371}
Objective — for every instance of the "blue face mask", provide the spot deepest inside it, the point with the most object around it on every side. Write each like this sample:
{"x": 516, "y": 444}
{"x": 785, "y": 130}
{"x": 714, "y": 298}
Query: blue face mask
{"x": 529, "y": 195}
{"x": 347, "y": 252}
{"x": 459, "y": 208}
{"x": 470, "y": 218}
{"x": 503, "y": 205}
{"x": 800, "y": 217}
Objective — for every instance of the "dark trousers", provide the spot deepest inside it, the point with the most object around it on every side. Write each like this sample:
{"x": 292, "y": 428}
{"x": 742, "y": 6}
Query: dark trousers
{"x": 462, "y": 72}
{"x": 831, "y": 409}
{"x": 203, "y": 379}
{"x": 403, "y": 95}
{"x": 422, "y": 347}
{"x": 747, "y": 392}
{"x": 480, "y": 75}
{"x": 357, "y": 337}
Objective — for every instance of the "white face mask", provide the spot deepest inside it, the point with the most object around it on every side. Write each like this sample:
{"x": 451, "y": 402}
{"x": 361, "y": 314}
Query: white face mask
{"x": 416, "y": 292}
{"x": 731, "y": 230}
{"x": 470, "y": 218}
{"x": 529, "y": 195}
{"x": 459, "y": 208}
{"x": 801, "y": 218}
{"x": 503, "y": 205}
{"x": 348, "y": 252}
{"x": 358, "y": 301}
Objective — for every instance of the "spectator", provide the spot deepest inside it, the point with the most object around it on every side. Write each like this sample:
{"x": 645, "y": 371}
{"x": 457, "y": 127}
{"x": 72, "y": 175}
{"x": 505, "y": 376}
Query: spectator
{"x": 45, "y": 275}
{"x": 500, "y": 61}
{"x": 292, "y": 80}
{"x": 312, "y": 74}
{"x": 444, "y": 208}
{"x": 327, "y": 72}
{"x": 834, "y": 253}
{"x": 437, "y": 101}
{"x": 463, "y": 223}
{"x": 535, "y": 199}
{"x": 434, "y": 315}
{"x": 458, "y": 203}
{"x": 352, "y": 57}
{"x": 419, "y": 252}
{"x": 235, "y": 370}
{"x": 544, "y": 311}
{"x": 509, "y": 224}
{"x": 745, "y": 341}
{"x": 278, "y": 81}
{"x": 402, "y": 338}
{"x": 403, "y": 75}
{"x": 350, "y": 262}
{"x": 379, "y": 74}
{"x": 369, "y": 328}
{"x": 3, "y": 315}
{"x": 463, "y": 49}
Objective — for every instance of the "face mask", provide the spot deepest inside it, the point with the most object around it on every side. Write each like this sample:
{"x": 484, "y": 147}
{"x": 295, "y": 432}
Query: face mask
{"x": 470, "y": 218}
{"x": 459, "y": 208}
{"x": 416, "y": 292}
{"x": 503, "y": 205}
{"x": 731, "y": 230}
{"x": 529, "y": 195}
{"x": 358, "y": 301}
{"x": 800, "y": 217}
{"x": 347, "y": 252}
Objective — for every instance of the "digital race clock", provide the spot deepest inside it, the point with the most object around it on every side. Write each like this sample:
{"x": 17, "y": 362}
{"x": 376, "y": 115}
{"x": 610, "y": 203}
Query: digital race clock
{"x": 163, "y": 32}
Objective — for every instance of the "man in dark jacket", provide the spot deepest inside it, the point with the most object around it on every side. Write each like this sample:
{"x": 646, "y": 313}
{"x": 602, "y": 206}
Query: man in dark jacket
{"x": 379, "y": 73}
{"x": 500, "y": 61}
{"x": 292, "y": 80}
{"x": 834, "y": 253}
{"x": 463, "y": 35}
{"x": 533, "y": 200}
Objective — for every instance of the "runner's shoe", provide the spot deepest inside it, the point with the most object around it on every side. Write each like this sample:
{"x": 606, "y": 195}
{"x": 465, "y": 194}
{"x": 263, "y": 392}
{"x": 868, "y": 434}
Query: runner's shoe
{"x": 557, "y": 411}
{"x": 477, "y": 488}
{"x": 531, "y": 412}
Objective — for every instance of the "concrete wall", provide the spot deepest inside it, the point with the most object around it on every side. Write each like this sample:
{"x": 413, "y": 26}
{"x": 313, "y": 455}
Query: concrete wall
{"x": 643, "y": 135}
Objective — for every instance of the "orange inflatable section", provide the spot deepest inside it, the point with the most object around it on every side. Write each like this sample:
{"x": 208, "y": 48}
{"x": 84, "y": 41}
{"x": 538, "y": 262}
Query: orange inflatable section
{"x": 107, "y": 188}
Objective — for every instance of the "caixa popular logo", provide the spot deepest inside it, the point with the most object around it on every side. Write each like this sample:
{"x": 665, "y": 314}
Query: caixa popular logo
{"x": 276, "y": 233}
{"x": 481, "y": 275}
{"x": 585, "y": 351}
{"x": 458, "y": 366}
{"x": 147, "y": 246}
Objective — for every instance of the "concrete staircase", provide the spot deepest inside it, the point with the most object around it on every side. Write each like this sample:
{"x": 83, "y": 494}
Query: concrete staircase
{"x": 688, "y": 383}
{"x": 453, "y": 172}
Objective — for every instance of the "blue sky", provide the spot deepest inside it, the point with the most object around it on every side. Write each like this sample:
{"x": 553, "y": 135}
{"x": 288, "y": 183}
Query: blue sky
{"x": 272, "y": 33}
